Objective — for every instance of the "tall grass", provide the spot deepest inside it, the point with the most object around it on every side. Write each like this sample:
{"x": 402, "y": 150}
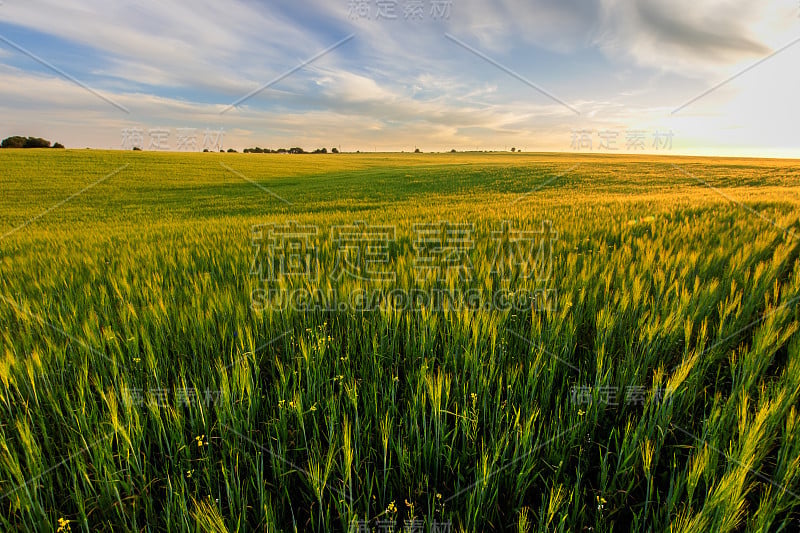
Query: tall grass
{"x": 141, "y": 391}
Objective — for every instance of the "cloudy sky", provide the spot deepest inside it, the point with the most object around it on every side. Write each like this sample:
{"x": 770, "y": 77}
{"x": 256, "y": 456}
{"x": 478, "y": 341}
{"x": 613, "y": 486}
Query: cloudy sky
{"x": 542, "y": 75}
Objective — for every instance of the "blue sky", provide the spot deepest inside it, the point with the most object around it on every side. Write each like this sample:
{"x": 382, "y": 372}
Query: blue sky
{"x": 433, "y": 74}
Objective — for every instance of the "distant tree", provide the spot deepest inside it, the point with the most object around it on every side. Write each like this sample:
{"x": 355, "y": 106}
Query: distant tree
{"x": 36, "y": 142}
{"x": 258, "y": 150}
{"x": 416, "y": 150}
{"x": 13, "y": 142}
{"x": 296, "y": 150}
{"x": 205, "y": 150}
{"x": 321, "y": 151}
{"x": 334, "y": 150}
{"x": 453, "y": 151}
{"x": 58, "y": 145}
{"x": 281, "y": 151}
{"x": 513, "y": 149}
{"x": 231, "y": 151}
{"x": 137, "y": 149}
{"x": 24, "y": 142}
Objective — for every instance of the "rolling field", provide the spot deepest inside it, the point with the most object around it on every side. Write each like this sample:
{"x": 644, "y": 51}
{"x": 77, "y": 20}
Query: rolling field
{"x": 183, "y": 349}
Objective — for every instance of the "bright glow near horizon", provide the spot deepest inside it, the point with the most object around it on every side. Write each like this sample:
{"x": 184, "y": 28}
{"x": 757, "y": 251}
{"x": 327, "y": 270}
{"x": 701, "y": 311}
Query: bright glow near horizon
{"x": 433, "y": 74}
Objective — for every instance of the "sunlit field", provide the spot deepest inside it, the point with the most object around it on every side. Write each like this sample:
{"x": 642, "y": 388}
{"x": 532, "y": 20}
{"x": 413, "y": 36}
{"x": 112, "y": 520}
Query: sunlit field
{"x": 153, "y": 376}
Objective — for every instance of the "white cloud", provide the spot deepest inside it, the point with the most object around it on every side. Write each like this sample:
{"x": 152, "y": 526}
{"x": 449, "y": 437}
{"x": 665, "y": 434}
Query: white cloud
{"x": 693, "y": 38}
{"x": 401, "y": 83}
{"x": 682, "y": 36}
{"x": 172, "y": 44}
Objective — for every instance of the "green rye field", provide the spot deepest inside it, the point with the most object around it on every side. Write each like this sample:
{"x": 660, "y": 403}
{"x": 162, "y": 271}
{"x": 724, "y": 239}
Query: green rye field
{"x": 649, "y": 379}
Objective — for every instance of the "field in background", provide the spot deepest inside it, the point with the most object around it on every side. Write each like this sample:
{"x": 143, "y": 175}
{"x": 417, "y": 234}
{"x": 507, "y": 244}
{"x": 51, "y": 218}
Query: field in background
{"x": 651, "y": 384}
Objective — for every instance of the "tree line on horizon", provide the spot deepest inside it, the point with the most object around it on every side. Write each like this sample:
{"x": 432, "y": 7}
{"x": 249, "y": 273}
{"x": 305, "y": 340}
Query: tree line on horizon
{"x": 17, "y": 141}
{"x": 294, "y": 150}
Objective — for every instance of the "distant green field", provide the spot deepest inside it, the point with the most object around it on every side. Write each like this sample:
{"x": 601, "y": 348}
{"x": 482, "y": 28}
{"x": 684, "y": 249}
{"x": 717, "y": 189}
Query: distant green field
{"x": 549, "y": 342}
